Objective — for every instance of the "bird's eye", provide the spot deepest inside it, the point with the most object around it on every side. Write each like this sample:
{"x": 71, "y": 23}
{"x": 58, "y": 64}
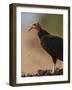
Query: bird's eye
{"x": 34, "y": 24}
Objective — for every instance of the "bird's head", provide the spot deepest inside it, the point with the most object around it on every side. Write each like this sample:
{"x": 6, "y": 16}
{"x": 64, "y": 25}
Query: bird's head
{"x": 36, "y": 26}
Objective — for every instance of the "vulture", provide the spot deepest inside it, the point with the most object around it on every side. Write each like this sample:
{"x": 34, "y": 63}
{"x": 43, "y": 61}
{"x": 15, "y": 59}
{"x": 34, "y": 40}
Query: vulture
{"x": 52, "y": 44}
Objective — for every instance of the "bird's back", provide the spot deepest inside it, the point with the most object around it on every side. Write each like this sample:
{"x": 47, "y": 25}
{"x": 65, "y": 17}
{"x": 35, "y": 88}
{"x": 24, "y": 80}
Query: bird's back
{"x": 52, "y": 44}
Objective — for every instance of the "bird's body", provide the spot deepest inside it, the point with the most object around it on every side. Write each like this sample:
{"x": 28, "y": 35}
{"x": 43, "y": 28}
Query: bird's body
{"x": 52, "y": 45}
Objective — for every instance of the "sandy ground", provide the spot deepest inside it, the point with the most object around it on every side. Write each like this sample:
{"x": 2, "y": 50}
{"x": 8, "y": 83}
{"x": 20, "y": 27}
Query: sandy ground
{"x": 33, "y": 56}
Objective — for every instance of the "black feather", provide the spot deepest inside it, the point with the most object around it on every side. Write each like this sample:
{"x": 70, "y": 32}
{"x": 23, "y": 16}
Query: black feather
{"x": 52, "y": 44}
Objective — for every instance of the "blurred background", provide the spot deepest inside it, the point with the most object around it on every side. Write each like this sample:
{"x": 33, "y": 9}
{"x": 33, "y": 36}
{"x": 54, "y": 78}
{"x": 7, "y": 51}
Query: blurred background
{"x": 50, "y": 22}
{"x": 33, "y": 56}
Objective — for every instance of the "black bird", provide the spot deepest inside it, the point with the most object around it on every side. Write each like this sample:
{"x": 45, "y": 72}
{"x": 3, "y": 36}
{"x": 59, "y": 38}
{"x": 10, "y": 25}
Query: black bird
{"x": 50, "y": 43}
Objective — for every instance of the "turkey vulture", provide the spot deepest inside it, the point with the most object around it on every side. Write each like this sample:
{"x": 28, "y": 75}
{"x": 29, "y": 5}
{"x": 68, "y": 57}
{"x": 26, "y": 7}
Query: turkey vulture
{"x": 50, "y": 43}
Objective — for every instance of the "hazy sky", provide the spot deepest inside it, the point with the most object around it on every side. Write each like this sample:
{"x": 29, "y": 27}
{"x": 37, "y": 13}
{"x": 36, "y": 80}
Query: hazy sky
{"x": 52, "y": 23}
{"x": 28, "y": 19}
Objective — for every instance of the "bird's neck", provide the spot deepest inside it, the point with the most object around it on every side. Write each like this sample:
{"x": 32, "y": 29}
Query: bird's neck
{"x": 42, "y": 33}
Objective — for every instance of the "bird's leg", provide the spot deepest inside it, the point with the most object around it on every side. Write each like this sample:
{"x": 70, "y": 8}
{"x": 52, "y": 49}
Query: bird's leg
{"x": 53, "y": 68}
